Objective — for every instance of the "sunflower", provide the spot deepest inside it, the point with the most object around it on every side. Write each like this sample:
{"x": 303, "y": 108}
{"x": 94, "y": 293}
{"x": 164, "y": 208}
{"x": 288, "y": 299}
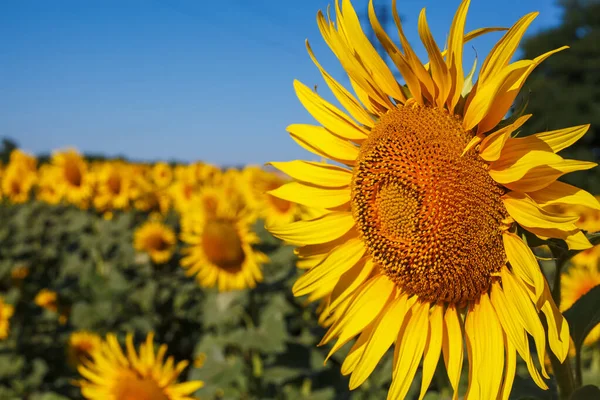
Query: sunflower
{"x": 156, "y": 239}
{"x": 112, "y": 374}
{"x": 274, "y": 210}
{"x": 73, "y": 179}
{"x": 576, "y": 282}
{"x": 48, "y": 300}
{"x": 114, "y": 186}
{"x": 219, "y": 246}
{"x": 162, "y": 174}
{"x": 17, "y": 182}
{"x": 81, "y": 345}
{"x": 428, "y": 199}
{"x": 6, "y": 312}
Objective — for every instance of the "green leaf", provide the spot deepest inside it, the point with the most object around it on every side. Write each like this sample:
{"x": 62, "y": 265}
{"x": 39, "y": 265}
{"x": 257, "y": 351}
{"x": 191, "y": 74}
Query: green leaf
{"x": 583, "y": 316}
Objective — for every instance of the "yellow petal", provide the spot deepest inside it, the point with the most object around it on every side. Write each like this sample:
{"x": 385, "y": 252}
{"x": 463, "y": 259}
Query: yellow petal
{"x": 562, "y": 193}
{"x": 439, "y": 70}
{"x": 412, "y": 80}
{"x": 486, "y": 352}
{"x": 367, "y": 53}
{"x": 312, "y": 196}
{"x": 526, "y": 313}
{"x": 350, "y": 281}
{"x": 320, "y": 230}
{"x": 340, "y": 260}
{"x": 523, "y": 262}
{"x": 357, "y": 350}
{"x": 528, "y": 214}
{"x": 384, "y": 333}
{"x": 454, "y": 54}
{"x": 365, "y": 305}
{"x": 452, "y": 347}
{"x": 409, "y": 350}
{"x": 561, "y": 138}
{"x": 510, "y": 367}
{"x": 514, "y": 331}
{"x": 505, "y": 48}
{"x": 558, "y": 328}
{"x": 346, "y": 99}
{"x": 315, "y": 173}
{"x": 324, "y": 142}
{"x": 509, "y": 91}
{"x": 575, "y": 239}
{"x": 327, "y": 114}
{"x": 433, "y": 347}
{"x": 491, "y": 146}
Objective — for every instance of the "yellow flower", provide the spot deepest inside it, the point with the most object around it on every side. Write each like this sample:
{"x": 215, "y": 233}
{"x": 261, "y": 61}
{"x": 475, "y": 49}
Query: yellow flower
{"x": 114, "y": 375}
{"x": 577, "y": 281}
{"x": 420, "y": 247}
{"x": 114, "y": 186}
{"x": 47, "y": 299}
{"x": 162, "y": 174}
{"x": 6, "y": 312}
{"x": 17, "y": 182}
{"x": 80, "y": 347}
{"x": 19, "y": 272}
{"x": 274, "y": 210}
{"x": 156, "y": 239}
{"x": 73, "y": 179}
{"x": 219, "y": 247}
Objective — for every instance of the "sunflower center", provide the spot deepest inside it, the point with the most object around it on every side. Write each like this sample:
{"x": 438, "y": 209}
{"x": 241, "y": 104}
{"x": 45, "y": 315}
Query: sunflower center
{"x": 157, "y": 242}
{"x": 114, "y": 183}
{"x": 222, "y": 244}
{"x": 130, "y": 386}
{"x": 430, "y": 217}
{"x": 73, "y": 173}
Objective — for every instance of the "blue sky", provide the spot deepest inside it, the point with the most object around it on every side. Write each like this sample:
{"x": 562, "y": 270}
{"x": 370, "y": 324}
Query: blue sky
{"x": 186, "y": 79}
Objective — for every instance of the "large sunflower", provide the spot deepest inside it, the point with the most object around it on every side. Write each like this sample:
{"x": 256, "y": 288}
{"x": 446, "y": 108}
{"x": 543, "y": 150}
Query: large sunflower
{"x": 114, "y": 375}
{"x": 156, "y": 239}
{"x": 219, "y": 244}
{"x": 422, "y": 245}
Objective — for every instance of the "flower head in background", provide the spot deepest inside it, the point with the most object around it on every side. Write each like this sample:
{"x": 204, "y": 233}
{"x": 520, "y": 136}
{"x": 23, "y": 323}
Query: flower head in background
{"x": 156, "y": 239}
{"x": 219, "y": 243}
{"x": 73, "y": 180}
{"x": 112, "y": 374}
{"x": 426, "y": 198}
{"x": 575, "y": 282}
{"x": 80, "y": 347}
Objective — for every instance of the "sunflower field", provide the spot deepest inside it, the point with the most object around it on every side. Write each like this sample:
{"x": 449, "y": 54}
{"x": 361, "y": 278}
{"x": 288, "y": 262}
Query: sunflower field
{"x": 434, "y": 251}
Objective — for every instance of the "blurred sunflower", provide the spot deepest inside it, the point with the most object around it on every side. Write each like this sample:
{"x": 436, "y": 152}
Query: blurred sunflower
{"x": 162, "y": 174}
{"x": 219, "y": 247}
{"x": 274, "y": 210}
{"x": 6, "y": 312}
{"x": 73, "y": 179}
{"x": 114, "y": 186}
{"x": 182, "y": 192}
{"x": 47, "y": 299}
{"x": 421, "y": 246}
{"x": 80, "y": 347}
{"x": 156, "y": 239}
{"x": 112, "y": 374}
{"x": 577, "y": 281}
{"x": 17, "y": 182}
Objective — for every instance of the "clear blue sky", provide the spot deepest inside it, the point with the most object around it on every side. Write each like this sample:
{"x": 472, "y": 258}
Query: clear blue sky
{"x": 185, "y": 79}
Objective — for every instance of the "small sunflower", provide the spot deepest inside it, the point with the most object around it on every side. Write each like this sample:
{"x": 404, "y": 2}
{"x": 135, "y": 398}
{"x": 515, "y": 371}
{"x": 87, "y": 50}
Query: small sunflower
{"x": 47, "y": 299}
{"x": 80, "y": 347}
{"x": 17, "y": 183}
{"x": 47, "y": 189}
{"x": 156, "y": 239}
{"x": 162, "y": 174}
{"x": 114, "y": 186}
{"x": 219, "y": 246}
{"x": 73, "y": 179}
{"x": 6, "y": 312}
{"x": 112, "y": 374}
{"x": 577, "y": 281}
{"x": 274, "y": 210}
{"x": 427, "y": 200}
